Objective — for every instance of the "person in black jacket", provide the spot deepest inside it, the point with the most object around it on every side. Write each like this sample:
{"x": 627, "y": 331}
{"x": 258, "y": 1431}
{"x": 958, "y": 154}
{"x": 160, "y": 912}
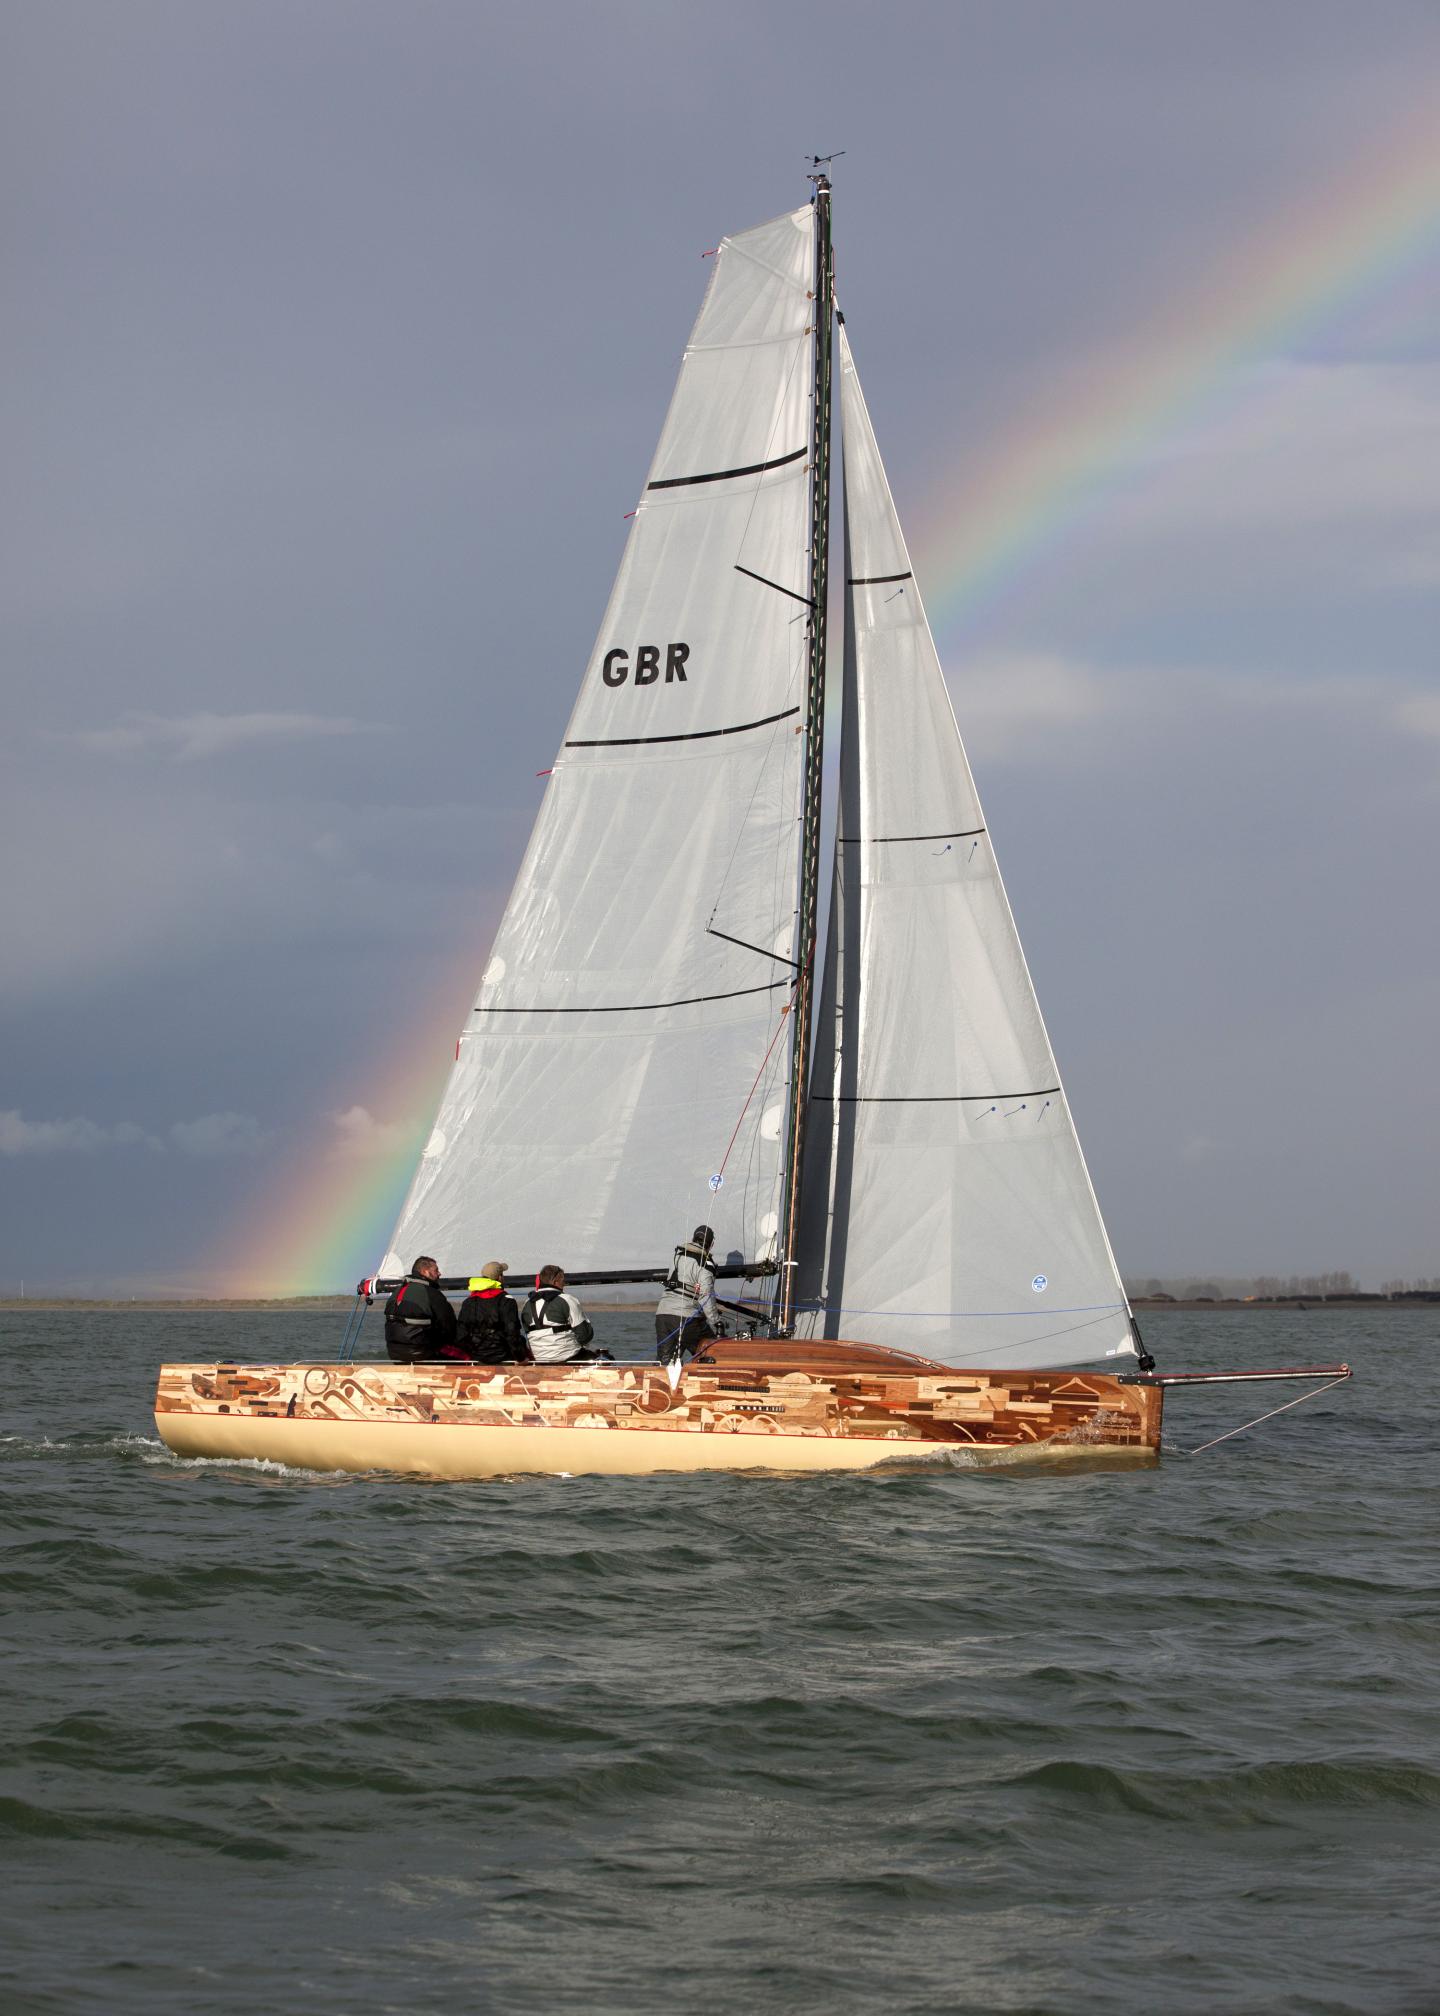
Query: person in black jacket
{"x": 490, "y": 1330}
{"x": 419, "y": 1322}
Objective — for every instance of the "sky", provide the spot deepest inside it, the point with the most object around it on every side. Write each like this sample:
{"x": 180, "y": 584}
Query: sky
{"x": 338, "y": 340}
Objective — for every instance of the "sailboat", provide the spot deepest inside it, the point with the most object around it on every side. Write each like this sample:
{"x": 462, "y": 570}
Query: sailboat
{"x": 892, "y": 1168}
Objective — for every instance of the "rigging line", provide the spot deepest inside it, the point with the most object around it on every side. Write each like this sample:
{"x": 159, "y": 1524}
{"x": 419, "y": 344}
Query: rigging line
{"x": 694, "y": 735}
{"x": 808, "y": 600}
{"x": 927, "y": 1098}
{"x": 725, "y": 475}
{"x": 1313, "y": 1394}
{"x": 904, "y": 839}
{"x": 745, "y": 946}
{"x": 637, "y": 1007}
{"x": 780, "y": 1024}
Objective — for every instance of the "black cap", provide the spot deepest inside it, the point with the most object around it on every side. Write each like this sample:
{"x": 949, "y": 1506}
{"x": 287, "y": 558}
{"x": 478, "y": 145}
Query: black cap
{"x": 702, "y": 1236}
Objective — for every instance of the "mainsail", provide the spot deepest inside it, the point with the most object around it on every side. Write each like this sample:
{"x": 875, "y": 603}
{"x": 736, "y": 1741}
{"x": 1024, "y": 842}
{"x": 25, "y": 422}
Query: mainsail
{"x": 947, "y": 1208}
{"x": 620, "y": 1035}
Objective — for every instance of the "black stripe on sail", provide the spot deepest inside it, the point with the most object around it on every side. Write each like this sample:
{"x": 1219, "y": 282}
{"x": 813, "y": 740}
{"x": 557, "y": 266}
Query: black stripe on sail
{"x": 724, "y": 475}
{"x": 794, "y": 595}
{"x": 637, "y": 1007}
{"x": 906, "y": 839}
{"x": 695, "y": 734}
{"x": 746, "y": 946}
{"x": 875, "y": 580}
{"x": 926, "y": 1098}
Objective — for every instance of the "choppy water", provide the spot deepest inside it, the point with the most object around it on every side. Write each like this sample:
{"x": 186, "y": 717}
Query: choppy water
{"x": 1111, "y": 1743}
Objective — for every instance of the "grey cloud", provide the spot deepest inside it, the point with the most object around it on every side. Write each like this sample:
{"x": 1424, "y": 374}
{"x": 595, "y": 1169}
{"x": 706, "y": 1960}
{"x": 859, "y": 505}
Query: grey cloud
{"x": 215, "y": 1134}
{"x": 19, "y": 1136}
{"x": 190, "y": 737}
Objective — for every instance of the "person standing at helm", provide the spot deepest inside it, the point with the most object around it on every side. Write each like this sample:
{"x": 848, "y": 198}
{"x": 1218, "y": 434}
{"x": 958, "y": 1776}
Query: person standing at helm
{"x": 554, "y": 1323}
{"x": 419, "y": 1322}
{"x": 686, "y": 1314}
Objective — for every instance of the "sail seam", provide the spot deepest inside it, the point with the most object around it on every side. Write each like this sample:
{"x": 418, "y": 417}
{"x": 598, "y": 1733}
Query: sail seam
{"x": 904, "y": 839}
{"x": 724, "y": 475}
{"x": 746, "y": 946}
{"x": 694, "y": 735}
{"x": 637, "y": 1007}
{"x": 876, "y": 580}
{"x": 794, "y": 594}
{"x": 925, "y": 1098}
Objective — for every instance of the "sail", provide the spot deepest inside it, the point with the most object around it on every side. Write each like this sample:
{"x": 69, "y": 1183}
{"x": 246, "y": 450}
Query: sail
{"x": 946, "y": 1208}
{"x": 615, "y": 1061}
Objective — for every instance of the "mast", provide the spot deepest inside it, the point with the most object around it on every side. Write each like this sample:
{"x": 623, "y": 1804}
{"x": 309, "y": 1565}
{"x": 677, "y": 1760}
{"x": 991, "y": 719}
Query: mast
{"x": 814, "y": 750}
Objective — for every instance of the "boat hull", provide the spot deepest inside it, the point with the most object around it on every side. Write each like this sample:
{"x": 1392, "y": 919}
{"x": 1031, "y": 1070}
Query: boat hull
{"x": 799, "y": 1408}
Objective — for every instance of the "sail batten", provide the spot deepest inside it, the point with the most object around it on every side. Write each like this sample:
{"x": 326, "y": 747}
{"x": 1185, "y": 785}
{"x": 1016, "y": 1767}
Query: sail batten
{"x": 942, "y": 1214}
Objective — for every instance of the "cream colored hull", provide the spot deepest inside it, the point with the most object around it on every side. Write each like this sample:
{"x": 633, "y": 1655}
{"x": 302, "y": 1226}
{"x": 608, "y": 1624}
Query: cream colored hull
{"x": 851, "y": 1409}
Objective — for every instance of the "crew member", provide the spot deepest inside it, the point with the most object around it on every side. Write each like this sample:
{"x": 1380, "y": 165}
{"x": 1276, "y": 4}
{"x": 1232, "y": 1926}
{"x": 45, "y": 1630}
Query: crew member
{"x": 686, "y": 1314}
{"x": 419, "y": 1322}
{"x": 554, "y": 1323}
{"x": 490, "y": 1330}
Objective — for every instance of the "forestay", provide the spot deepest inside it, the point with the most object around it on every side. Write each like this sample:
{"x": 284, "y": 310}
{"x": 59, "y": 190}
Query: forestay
{"x": 947, "y": 1207}
{"x": 645, "y": 956}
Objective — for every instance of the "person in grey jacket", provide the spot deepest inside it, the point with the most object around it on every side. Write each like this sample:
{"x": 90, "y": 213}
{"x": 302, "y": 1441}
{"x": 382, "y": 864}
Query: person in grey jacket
{"x": 686, "y": 1314}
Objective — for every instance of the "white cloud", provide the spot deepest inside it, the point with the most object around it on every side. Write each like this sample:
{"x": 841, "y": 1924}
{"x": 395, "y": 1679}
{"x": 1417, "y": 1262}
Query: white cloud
{"x": 217, "y": 1134}
{"x": 19, "y": 1136}
{"x": 359, "y": 1133}
{"x": 1014, "y": 702}
{"x": 188, "y": 738}
{"x": 1031, "y": 707}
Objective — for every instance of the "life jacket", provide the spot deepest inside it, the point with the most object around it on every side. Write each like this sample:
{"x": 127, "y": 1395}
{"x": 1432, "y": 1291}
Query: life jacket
{"x": 536, "y": 1313}
{"x": 691, "y": 1290}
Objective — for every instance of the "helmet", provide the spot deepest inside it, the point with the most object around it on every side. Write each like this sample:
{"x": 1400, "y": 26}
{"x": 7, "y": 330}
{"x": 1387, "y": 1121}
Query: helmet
{"x": 702, "y": 1236}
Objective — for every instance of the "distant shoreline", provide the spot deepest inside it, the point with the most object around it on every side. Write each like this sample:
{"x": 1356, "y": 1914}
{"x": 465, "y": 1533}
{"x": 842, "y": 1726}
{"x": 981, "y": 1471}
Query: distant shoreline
{"x": 328, "y": 1305}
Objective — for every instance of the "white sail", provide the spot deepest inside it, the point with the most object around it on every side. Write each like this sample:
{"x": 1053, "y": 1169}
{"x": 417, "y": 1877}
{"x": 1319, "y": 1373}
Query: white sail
{"x": 646, "y": 954}
{"x": 947, "y": 1207}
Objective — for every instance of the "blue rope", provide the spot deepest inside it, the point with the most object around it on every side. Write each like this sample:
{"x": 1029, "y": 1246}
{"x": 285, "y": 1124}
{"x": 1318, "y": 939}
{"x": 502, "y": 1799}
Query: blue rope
{"x": 353, "y": 1323}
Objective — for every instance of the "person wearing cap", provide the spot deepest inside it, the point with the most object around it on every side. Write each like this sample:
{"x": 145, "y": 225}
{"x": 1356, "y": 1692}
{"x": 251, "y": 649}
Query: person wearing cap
{"x": 490, "y": 1332}
{"x": 686, "y": 1314}
{"x": 556, "y": 1327}
{"x": 419, "y": 1322}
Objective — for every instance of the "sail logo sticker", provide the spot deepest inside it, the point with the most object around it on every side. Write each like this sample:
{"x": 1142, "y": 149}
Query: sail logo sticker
{"x": 1040, "y": 1283}
{"x": 616, "y": 667}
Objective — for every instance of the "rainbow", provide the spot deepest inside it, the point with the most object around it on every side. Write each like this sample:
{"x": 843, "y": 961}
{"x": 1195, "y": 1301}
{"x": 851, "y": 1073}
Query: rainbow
{"x": 991, "y": 522}
{"x": 327, "y": 1217}
{"x": 330, "y": 1218}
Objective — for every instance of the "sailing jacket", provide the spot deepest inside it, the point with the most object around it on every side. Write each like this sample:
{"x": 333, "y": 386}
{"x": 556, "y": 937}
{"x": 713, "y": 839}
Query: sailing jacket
{"x": 419, "y": 1323}
{"x": 555, "y": 1325}
{"x": 490, "y": 1325}
{"x": 690, "y": 1287}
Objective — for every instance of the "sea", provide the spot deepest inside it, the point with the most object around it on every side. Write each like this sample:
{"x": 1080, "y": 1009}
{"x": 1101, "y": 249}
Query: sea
{"x": 272, "y": 1740}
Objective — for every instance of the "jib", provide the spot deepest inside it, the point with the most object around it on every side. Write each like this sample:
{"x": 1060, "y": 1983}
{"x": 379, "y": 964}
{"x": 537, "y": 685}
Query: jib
{"x": 616, "y": 669}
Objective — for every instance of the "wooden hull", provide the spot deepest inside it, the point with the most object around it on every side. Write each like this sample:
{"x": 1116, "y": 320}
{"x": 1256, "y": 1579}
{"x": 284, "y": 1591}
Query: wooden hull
{"x": 769, "y": 1406}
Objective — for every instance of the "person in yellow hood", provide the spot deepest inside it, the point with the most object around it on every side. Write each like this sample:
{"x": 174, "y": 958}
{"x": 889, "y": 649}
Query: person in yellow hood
{"x": 490, "y": 1332}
